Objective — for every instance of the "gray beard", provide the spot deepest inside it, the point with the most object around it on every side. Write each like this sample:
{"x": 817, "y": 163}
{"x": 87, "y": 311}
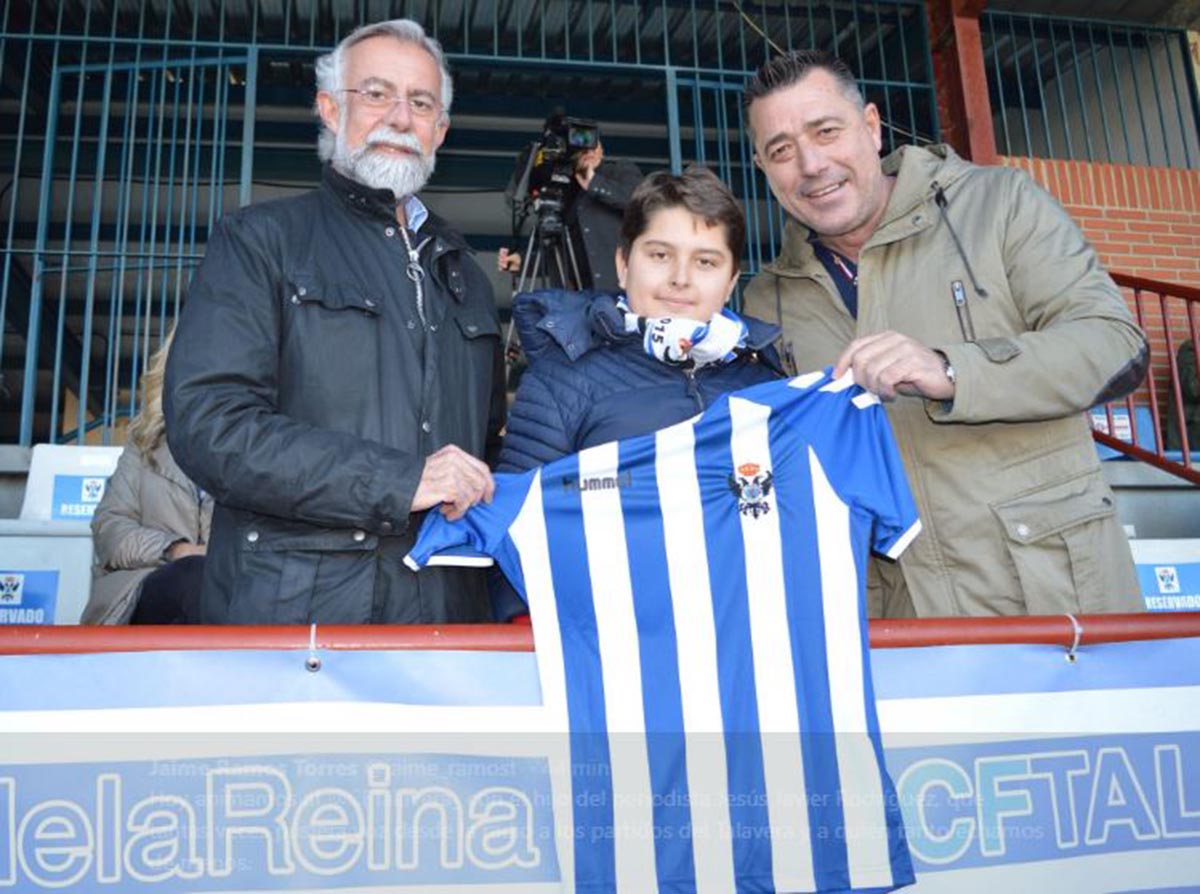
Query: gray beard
{"x": 403, "y": 175}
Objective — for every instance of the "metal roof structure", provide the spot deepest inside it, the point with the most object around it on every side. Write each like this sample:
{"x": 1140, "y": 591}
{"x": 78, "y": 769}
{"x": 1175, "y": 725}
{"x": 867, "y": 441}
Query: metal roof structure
{"x": 128, "y": 126}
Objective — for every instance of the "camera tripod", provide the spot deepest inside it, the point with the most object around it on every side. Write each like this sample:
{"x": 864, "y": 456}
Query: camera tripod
{"x": 550, "y": 254}
{"x": 549, "y": 261}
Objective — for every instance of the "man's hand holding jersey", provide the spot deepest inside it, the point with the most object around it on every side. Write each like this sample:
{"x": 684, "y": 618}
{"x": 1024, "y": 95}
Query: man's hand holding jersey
{"x": 889, "y": 364}
{"x": 454, "y": 480}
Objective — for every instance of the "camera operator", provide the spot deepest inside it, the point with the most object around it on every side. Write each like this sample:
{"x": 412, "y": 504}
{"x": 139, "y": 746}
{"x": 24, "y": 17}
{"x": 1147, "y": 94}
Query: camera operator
{"x": 592, "y": 209}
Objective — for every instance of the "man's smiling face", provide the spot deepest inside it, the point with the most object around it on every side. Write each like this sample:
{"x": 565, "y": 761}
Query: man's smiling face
{"x": 395, "y": 146}
{"x": 820, "y": 152}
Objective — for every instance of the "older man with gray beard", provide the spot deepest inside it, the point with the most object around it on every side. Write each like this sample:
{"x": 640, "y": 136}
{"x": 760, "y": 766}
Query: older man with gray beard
{"x": 337, "y": 370}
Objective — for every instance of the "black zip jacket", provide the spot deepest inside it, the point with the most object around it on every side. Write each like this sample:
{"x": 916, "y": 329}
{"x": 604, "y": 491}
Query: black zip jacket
{"x": 304, "y": 390}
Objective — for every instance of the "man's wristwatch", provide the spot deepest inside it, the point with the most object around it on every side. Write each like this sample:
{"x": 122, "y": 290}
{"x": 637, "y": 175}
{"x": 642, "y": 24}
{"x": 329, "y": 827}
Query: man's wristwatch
{"x": 948, "y": 369}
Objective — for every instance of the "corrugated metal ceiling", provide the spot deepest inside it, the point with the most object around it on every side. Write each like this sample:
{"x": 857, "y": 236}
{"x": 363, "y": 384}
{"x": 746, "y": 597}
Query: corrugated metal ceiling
{"x": 1176, "y": 13}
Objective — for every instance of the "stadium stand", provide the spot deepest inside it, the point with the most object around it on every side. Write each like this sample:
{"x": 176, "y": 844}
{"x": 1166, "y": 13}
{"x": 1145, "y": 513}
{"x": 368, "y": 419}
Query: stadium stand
{"x": 46, "y": 564}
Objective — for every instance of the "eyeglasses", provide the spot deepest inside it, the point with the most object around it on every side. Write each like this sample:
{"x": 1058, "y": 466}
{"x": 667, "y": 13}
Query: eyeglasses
{"x": 419, "y": 106}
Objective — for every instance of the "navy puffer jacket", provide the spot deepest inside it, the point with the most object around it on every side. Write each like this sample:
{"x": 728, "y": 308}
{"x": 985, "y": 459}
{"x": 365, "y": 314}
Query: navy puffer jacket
{"x": 590, "y": 382}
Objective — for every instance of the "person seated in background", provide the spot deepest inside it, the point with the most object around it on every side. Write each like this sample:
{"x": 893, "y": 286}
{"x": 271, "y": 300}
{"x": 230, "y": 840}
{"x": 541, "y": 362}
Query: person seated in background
{"x": 604, "y": 366}
{"x": 151, "y": 526}
{"x": 1189, "y": 391}
{"x": 592, "y": 214}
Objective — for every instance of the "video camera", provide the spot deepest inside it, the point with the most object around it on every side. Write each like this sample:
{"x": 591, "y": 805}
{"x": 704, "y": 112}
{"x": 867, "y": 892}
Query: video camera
{"x": 539, "y": 186}
{"x": 545, "y": 169}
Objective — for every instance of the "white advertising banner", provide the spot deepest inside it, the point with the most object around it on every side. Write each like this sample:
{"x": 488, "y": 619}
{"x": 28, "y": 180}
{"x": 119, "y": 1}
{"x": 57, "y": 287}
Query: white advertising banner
{"x": 1017, "y": 769}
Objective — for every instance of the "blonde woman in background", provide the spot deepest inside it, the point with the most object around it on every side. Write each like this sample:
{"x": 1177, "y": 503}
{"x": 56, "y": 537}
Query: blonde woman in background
{"x": 151, "y": 526}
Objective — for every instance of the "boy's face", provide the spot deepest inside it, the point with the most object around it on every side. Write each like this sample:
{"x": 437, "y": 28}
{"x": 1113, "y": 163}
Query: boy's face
{"x": 679, "y": 267}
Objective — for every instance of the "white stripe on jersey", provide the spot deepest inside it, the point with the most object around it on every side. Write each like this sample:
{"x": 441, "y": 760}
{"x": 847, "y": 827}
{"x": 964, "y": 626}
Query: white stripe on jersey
{"x": 528, "y": 531}
{"x": 840, "y": 384}
{"x": 867, "y": 855}
{"x": 805, "y": 381}
{"x": 696, "y": 646}
{"x": 904, "y": 540}
{"x": 774, "y": 671}
{"x": 621, "y": 671}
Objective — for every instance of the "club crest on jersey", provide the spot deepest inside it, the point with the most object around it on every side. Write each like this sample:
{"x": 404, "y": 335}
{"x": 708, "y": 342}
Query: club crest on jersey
{"x": 751, "y": 487}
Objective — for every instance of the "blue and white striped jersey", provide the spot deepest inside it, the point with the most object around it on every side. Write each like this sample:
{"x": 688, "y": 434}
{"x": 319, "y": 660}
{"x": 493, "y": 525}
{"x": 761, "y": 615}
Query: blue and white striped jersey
{"x": 697, "y": 598}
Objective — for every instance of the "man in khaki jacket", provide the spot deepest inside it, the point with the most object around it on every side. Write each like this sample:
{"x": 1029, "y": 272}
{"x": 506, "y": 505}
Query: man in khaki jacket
{"x": 966, "y": 298}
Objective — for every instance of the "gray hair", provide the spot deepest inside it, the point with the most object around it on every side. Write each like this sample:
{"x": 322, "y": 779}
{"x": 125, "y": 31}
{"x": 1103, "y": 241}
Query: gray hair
{"x": 331, "y": 67}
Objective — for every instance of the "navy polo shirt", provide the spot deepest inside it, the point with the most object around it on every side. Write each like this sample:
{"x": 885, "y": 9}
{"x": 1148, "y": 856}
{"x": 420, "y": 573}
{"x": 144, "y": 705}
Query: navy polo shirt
{"x": 842, "y": 270}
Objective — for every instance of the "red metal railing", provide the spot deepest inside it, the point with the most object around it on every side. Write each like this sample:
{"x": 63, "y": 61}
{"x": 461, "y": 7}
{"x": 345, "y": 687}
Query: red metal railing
{"x": 891, "y": 634}
{"x": 1170, "y": 316}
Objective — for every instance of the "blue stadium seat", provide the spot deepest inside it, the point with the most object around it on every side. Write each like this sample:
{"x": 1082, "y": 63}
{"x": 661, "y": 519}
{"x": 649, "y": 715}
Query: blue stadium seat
{"x": 46, "y": 554}
{"x": 1169, "y": 573}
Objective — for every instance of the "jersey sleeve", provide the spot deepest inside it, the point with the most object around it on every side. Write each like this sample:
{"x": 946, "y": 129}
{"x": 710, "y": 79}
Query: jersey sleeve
{"x": 479, "y": 536}
{"x": 855, "y": 438}
{"x": 884, "y": 493}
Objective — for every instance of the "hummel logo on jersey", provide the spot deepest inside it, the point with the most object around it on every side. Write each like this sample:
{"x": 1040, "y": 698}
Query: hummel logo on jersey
{"x": 578, "y": 483}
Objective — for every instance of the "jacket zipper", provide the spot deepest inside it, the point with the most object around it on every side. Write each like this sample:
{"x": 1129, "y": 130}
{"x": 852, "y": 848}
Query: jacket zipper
{"x": 963, "y": 309}
{"x": 415, "y": 272}
{"x": 692, "y": 388}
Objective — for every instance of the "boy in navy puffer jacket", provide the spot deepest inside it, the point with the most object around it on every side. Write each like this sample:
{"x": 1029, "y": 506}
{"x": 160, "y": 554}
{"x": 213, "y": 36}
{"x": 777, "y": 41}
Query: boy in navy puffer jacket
{"x": 604, "y": 367}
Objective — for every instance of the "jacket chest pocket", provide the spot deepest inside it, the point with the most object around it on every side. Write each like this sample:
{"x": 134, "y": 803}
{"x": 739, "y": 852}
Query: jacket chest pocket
{"x": 461, "y": 377}
{"x": 331, "y": 340}
{"x": 478, "y": 325}
{"x": 329, "y": 301}
{"x": 479, "y": 336}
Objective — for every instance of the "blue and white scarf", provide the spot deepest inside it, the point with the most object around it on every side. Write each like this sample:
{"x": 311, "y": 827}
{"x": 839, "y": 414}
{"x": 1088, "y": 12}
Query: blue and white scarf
{"x": 680, "y": 341}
